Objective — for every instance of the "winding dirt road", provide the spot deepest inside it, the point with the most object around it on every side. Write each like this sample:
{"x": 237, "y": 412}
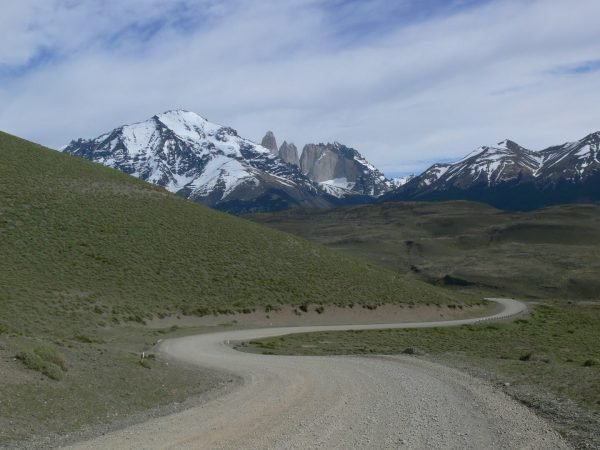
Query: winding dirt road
{"x": 337, "y": 402}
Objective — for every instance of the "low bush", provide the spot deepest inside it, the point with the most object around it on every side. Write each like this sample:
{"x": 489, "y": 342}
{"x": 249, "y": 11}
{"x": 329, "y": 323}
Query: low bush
{"x": 145, "y": 363}
{"x": 44, "y": 359}
{"x": 526, "y": 356}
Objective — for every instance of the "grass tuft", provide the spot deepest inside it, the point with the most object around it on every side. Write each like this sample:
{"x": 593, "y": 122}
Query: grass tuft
{"x": 44, "y": 359}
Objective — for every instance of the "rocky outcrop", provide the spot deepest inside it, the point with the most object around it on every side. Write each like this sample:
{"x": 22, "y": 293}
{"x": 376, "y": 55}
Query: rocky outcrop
{"x": 289, "y": 153}
{"x": 322, "y": 162}
{"x": 270, "y": 142}
{"x": 342, "y": 171}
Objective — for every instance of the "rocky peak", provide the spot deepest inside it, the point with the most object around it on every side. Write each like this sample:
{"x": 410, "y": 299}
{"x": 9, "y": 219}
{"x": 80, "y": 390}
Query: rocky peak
{"x": 592, "y": 139}
{"x": 270, "y": 142}
{"x": 509, "y": 145}
{"x": 342, "y": 171}
{"x": 317, "y": 162}
{"x": 289, "y": 153}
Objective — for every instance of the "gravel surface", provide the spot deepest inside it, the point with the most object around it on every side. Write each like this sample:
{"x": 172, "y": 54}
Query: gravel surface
{"x": 336, "y": 402}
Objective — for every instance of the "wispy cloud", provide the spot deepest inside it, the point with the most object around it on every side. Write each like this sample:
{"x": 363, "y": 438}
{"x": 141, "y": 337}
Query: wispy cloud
{"x": 578, "y": 68}
{"x": 401, "y": 81}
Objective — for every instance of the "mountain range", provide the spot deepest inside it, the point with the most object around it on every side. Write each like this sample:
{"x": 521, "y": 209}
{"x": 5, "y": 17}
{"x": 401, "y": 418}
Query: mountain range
{"x": 212, "y": 165}
{"x": 509, "y": 176}
{"x": 338, "y": 170}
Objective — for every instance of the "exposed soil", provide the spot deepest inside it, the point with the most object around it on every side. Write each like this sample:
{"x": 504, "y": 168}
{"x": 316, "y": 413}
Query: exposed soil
{"x": 331, "y": 315}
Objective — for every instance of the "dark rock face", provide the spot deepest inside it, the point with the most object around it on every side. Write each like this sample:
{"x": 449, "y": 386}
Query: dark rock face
{"x": 511, "y": 177}
{"x": 270, "y": 142}
{"x": 289, "y": 153}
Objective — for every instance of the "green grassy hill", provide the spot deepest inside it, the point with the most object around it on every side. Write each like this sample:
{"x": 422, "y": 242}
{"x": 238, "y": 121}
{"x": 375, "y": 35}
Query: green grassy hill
{"x": 85, "y": 246}
{"x": 547, "y": 253}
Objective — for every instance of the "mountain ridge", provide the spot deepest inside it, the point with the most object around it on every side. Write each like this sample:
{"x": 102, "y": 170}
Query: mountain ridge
{"x": 509, "y": 176}
{"x": 201, "y": 161}
{"x": 212, "y": 165}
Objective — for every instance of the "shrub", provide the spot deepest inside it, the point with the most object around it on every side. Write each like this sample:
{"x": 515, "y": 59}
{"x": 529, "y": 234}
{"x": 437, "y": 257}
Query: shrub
{"x": 411, "y": 351}
{"x": 44, "y": 359}
{"x": 145, "y": 363}
{"x": 590, "y": 363}
{"x": 526, "y": 356}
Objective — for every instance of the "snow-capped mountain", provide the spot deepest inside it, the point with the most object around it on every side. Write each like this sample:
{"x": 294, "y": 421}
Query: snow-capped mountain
{"x": 211, "y": 164}
{"x": 204, "y": 162}
{"x": 512, "y": 177}
{"x": 489, "y": 165}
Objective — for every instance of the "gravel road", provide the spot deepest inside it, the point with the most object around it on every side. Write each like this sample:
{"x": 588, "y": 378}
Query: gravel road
{"x": 340, "y": 402}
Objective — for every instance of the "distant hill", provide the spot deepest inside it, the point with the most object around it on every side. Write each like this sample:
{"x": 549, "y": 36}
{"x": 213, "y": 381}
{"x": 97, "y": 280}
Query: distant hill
{"x": 512, "y": 177}
{"x": 547, "y": 253}
{"x": 83, "y": 245}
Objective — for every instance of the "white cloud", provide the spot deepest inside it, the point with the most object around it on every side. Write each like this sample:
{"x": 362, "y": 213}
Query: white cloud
{"x": 426, "y": 90}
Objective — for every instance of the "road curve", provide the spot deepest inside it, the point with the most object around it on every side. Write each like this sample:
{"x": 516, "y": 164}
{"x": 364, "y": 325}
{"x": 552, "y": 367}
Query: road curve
{"x": 288, "y": 402}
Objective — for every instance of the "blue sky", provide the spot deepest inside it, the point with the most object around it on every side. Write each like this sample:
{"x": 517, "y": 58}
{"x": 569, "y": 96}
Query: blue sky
{"x": 405, "y": 82}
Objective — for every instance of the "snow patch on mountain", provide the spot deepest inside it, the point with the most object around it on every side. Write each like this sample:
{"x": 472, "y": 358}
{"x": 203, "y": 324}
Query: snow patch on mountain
{"x": 222, "y": 172}
{"x": 338, "y": 187}
{"x": 401, "y": 181}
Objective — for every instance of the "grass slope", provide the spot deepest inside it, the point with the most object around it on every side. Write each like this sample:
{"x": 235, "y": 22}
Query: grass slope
{"x": 94, "y": 246}
{"x": 548, "y": 253}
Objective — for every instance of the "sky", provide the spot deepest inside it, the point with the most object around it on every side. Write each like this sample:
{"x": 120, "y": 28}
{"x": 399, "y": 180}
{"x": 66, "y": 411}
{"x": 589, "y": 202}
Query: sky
{"x": 405, "y": 82}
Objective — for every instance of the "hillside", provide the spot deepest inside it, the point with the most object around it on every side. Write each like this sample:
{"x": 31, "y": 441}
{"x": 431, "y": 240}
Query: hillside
{"x": 550, "y": 252}
{"x": 103, "y": 247}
